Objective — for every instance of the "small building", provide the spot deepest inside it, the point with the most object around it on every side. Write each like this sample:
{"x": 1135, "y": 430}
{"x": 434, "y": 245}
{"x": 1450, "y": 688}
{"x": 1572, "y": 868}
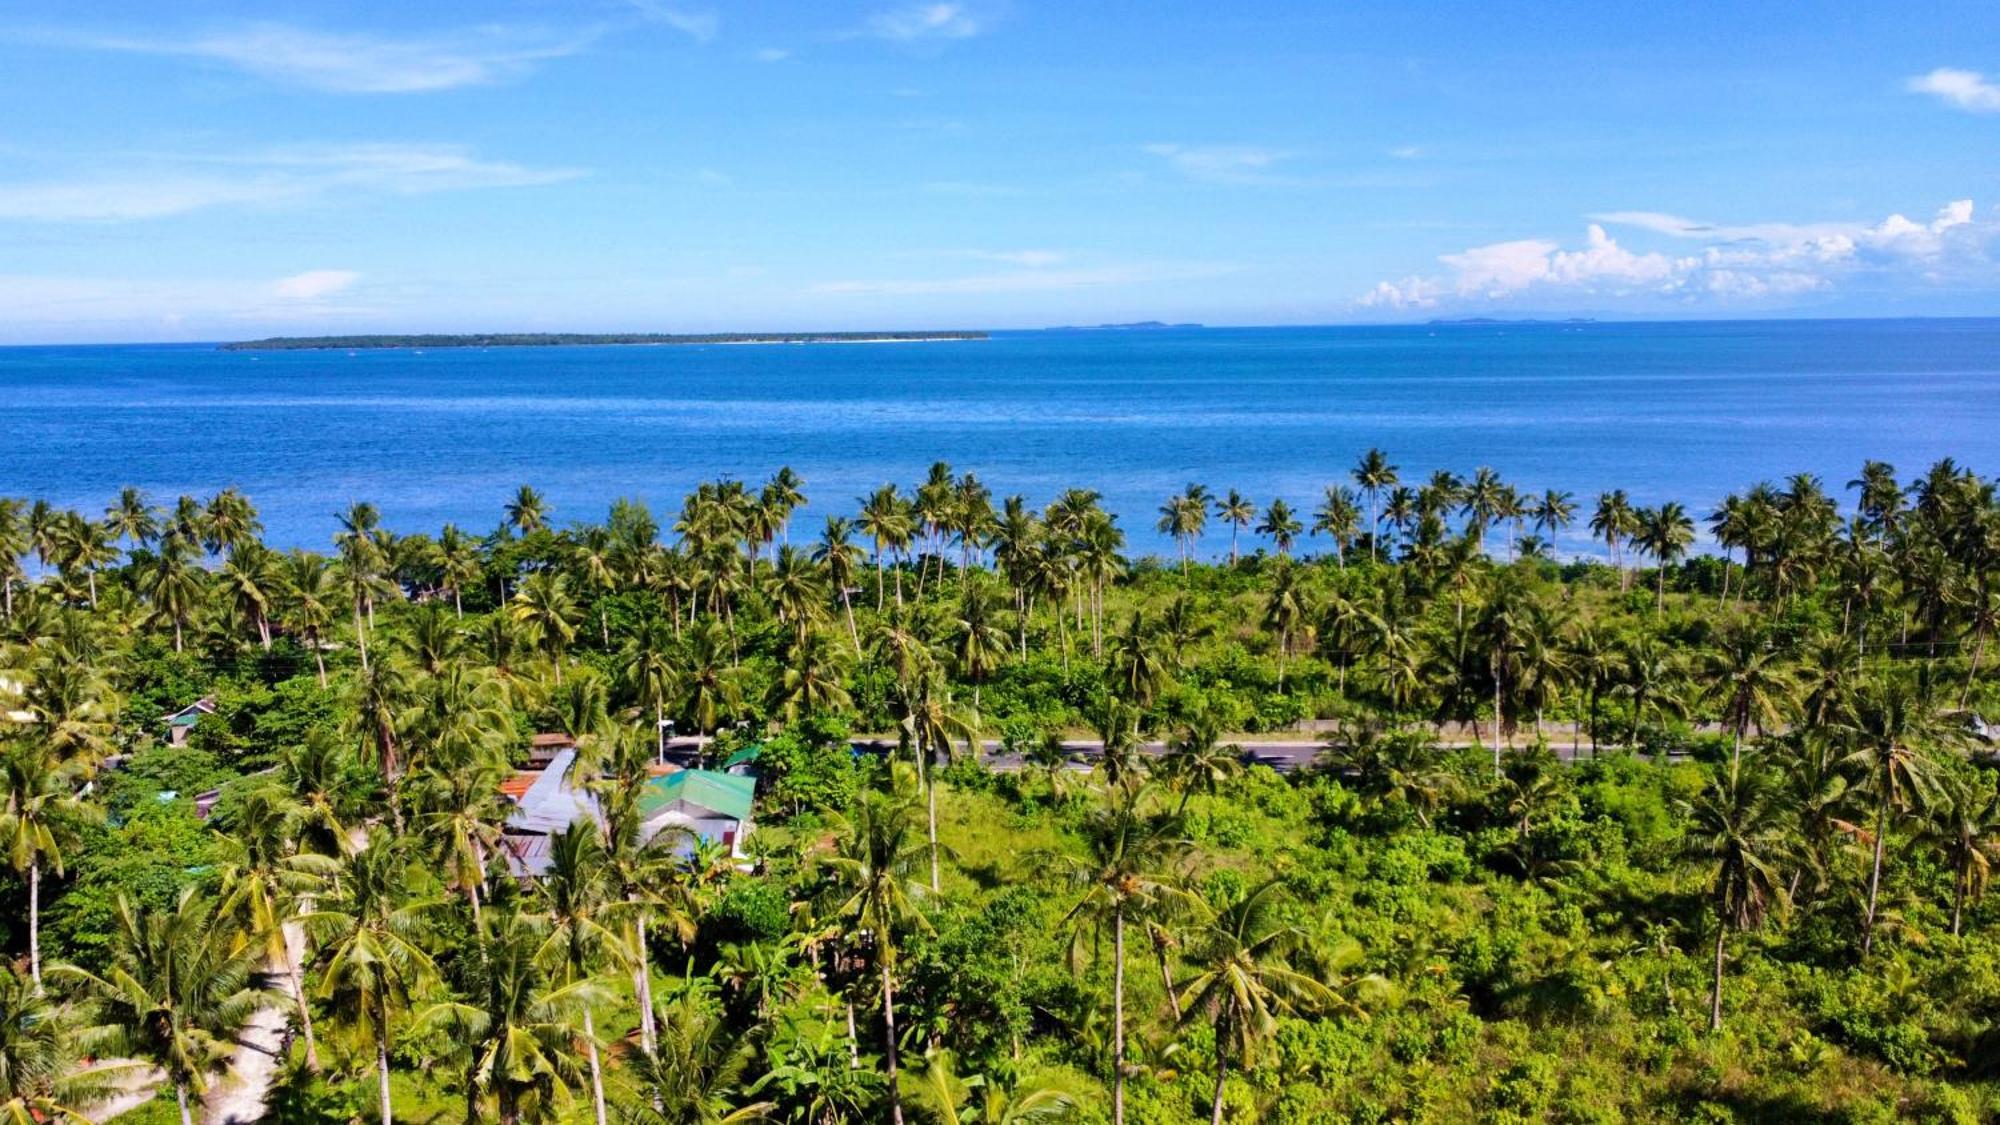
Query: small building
{"x": 543, "y": 748}
{"x": 744, "y": 761}
{"x": 713, "y": 806}
{"x": 181, "y": 723}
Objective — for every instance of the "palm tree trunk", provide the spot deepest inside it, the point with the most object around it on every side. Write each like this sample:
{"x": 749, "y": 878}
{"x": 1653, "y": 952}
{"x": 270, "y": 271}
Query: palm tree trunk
{"x": 930, "y": 796}
{"x": 1715, "y": 993}
{"x": 360, "y": 635}
{"x": 853, "y": 634}
{"x": 1875, "y": 869}
{"x": 382, "y": 1061}
{"x": 1957, "y": 899}
{"x": 181, "y": 1096}
{"x": 1221, "y": 1076}
{"x": 889, "y": 1033}
{"x": 35, "y": 921}
{"x": 305, "y": 1009}
{"x": 643, "y": 988}
{"x": 1118, "y": 1014}
{"x": 596, "y": 1067}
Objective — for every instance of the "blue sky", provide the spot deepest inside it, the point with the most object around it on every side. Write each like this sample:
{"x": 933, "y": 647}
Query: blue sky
{"x": 207, "y": 170}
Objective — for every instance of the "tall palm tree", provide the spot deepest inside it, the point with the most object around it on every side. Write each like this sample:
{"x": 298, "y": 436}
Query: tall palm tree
{"x": 1748, "y": 678}
{"x": 41, "y": 1079}
{"x": 1236, "y": 510}
{"x": 1665, "y": 533}
{"x": 797, "y": 591}
{"x": 886, "y": 520}
{"x": 40, "y": 813}
{"x": 175, "y": 994}
{"x": 1122, "y": 879}
{"x": 370, "y": 935}
{"x": 544, "y": 603}
{"x": 459, "y": 564}
{"x": 1890, "y": 725}
{"x": 528, "y": 512}
{"x": 840, "y": 561}
{"x": 576, "y": 892}
{"x": 1339, "y": 519}
{"x": 1740, "y": 826}
{"x": 1281, "y": 525}
{"x": 305, "y": 601}
{"x": 1614, "y": 521}
{"x": 132, "y": 518}
{"x": 1375, "y": 474}
{"x": 518, "y": 1025}
{"x": 268, "y": 883}
{"x": 1966, "y": 824}
{"x": 1245, "y": 979}
{"x": 874, "y": 869}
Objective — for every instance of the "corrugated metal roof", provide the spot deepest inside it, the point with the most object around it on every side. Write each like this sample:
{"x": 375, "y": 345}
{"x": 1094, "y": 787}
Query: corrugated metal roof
{"x": 550, "y": 804}
{"x": 720, "y": 793}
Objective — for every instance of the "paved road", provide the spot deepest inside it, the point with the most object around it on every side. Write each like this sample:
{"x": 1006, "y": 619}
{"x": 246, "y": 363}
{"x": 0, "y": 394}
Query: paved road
{"x": 1283, "y": 755}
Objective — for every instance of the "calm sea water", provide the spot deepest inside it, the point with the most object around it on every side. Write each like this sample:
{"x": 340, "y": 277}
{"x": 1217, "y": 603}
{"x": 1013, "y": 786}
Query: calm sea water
{"x": 1667, "y": 411}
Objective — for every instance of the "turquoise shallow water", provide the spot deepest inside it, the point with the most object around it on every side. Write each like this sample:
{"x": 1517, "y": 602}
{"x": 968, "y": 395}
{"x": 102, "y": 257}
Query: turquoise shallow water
{"x": 1684, "y": 411}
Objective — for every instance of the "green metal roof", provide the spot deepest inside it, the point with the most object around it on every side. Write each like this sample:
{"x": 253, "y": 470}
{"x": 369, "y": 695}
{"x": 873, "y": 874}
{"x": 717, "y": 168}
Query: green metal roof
{"x": 747, "y": 754}
{"x": 723, "y": 793}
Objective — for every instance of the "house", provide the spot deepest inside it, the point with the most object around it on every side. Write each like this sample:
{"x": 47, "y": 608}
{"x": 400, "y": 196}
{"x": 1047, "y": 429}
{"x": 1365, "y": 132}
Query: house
{"x": 713, "y": 806}
{"x": 543, "y": 748}
{"x": 181, "y": 723}
{"x": 744, "y": 761}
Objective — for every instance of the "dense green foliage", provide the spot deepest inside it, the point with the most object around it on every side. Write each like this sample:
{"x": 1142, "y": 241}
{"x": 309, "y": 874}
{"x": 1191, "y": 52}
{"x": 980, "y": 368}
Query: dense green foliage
{"x": 1703, "y": 841}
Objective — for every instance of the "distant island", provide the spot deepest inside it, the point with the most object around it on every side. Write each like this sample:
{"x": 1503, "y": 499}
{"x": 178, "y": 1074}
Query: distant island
{"x": 562, "y": 339}
{"x": 1131, "y": 326}
{"x": 1482, "y": 320}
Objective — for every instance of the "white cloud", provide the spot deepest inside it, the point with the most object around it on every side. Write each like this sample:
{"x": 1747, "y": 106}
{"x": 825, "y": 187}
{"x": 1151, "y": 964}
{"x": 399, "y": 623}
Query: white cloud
{"x": 772, "y": 54}
{"x": 1223, "y": 164}
{"x": 314, "y": 285}
{"x": 1034, "y": 259}
{"x": 1406, "y": 152}
{"x": 925, "y": 21}
{"x": 57, "y": 306}
{"x": 699, "y": 24}
{"x": 277, "y": 177}
{"x": 1967, "y": 89}
{"x": 356, "y": 64}
{"x": 1025, "y": 281}
{"x": 1742, "y": 262}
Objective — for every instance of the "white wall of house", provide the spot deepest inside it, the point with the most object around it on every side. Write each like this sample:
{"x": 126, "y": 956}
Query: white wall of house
{"x": 716, "y": 828}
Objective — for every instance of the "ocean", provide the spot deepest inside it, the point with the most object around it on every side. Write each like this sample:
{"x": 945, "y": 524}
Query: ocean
{"x": 1682, "y": 411}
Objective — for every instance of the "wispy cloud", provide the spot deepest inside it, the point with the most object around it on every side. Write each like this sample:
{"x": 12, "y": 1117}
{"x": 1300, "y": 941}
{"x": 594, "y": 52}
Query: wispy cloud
{"x": 294, "y": 175}
{"x": 1406, "y": 152}
{"x": 1222, "y": 164}
{"x": 353, "y": 63}
{"x": 1034, "y": 259}
{"x": 315, "y": 285}
{"x": 1754, "y": 262}
{"x": 700, "y": 24}
{"x": 1027, "y": 280}
{"x": 771, "y": 54}
{"x": 1967, "y": 89}
{"x": 925, "y": 21}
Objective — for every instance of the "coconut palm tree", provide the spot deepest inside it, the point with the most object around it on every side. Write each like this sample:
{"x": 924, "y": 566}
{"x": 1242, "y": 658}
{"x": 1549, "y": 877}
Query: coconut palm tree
{"x": 1614, "y": 521}
{"x": 1281, "y": 525}
{"x": 955, "y": 1100}
{"x": 527, "y": 512}
{"x": 874, "y": 870}
{"x": 1236, "y": 510}
{"x": 41, "y": 1076}
{"x": 1374, "y": 474}
{"x": 40, "y": 814}
{"x": 1748, "y": 679}
{"x": 544, "y": 603}
{"x": 1891, "y": 724}
{"x": 1740, "y": 826}
{"x": 839, "y": 562}
{"x": 698, "y": 1073}
{"x": 518, "y": 1025}
{"x": 267, "y": 883}
{"x": 1339, "y": 519}
{"x": 979, "y": 643}
{"x": 1966, "y": 825}
{"x": 1123, "y": 878}
{"x": 305, "y": 599}
{"x": 1665, "y": 533}
{"x": 175, "y": 994}
{"x": 1245, "y": 979}
{"x": 369, "y": 931}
